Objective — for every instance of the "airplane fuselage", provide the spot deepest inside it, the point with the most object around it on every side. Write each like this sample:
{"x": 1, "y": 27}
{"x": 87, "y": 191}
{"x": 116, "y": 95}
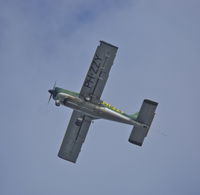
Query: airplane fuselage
{"x": 95, "y": 111}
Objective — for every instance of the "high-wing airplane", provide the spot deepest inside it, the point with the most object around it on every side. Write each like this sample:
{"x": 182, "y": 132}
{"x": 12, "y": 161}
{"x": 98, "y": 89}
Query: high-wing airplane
{"x": 88, "y": 106}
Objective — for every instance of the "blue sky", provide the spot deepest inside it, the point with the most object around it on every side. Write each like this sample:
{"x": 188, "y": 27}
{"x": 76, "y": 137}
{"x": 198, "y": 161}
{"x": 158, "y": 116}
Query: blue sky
{"x": 158, "y": 58}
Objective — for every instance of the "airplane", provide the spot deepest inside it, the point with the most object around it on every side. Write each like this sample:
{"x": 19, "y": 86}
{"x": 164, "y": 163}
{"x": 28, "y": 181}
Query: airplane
{"x": 87, "y": 106}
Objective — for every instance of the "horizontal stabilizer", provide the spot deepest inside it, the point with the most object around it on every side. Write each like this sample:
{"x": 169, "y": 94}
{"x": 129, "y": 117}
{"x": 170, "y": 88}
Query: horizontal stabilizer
{"x": 146, "y": 115}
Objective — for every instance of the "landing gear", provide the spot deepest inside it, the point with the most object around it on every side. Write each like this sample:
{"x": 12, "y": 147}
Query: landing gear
{"x": 57, "y": 103}
{"x": 87, "y": 98}
{"x": 79, "y": 121}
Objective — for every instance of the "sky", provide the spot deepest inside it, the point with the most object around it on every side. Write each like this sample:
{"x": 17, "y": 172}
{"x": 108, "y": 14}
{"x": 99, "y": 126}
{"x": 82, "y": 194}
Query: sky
{"x": 158, "y": 58}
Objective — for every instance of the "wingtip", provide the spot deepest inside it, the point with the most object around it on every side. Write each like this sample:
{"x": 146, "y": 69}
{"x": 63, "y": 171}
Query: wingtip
{"x": 64, "y": 157}
{"x": 108, "y": 44}
{"x": 135, "y": 142}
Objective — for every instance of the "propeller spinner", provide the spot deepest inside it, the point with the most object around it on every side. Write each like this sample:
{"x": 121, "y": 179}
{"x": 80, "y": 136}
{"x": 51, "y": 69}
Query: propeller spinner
{"x": 52, "y": 91}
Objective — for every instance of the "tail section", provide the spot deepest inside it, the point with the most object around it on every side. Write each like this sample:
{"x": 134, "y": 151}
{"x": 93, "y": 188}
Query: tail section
{"x": 134, "y": 116}
{"x": 145, "y": 116}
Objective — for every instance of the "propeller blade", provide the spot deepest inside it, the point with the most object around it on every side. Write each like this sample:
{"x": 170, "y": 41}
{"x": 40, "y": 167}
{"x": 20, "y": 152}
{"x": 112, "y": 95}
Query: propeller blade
{"x": 54, "y": 85}
{"x": 51, "y": 91}
{"x": 50, "y": 98}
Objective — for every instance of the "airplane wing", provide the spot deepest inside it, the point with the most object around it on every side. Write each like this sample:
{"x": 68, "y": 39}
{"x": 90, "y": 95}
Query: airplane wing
{"x": 74, "y": 136}
{"x": 98, "y": 72}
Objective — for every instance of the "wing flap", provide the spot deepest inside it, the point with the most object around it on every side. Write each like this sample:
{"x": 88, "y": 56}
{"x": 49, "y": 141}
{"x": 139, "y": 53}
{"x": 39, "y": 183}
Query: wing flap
{"x": 74, "y": 136}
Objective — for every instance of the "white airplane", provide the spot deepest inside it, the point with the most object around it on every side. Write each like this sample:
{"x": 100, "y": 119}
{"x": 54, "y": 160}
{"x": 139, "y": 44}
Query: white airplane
{"x": 88, "y": 106}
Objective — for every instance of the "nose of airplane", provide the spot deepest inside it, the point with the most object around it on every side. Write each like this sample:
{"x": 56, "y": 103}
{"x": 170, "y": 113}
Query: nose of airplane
{"x": 51, "y": 91}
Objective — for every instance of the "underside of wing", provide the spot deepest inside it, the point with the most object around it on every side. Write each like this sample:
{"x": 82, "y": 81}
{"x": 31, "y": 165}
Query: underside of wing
{"x": 74, "y": 136}
{"x": 98, "y": 72}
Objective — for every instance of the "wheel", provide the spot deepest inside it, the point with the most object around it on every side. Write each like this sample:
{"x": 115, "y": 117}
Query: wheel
{"x": 79, "y": 121}
{"x": 57, "y": 103}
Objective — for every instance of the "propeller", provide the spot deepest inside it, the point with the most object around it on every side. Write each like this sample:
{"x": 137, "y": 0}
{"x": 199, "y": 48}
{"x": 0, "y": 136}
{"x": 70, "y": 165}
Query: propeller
{"x": 51, "y": 91}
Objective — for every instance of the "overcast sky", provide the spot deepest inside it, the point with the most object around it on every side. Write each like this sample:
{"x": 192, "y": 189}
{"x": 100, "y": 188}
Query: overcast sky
{"x": 158, "y": 58}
